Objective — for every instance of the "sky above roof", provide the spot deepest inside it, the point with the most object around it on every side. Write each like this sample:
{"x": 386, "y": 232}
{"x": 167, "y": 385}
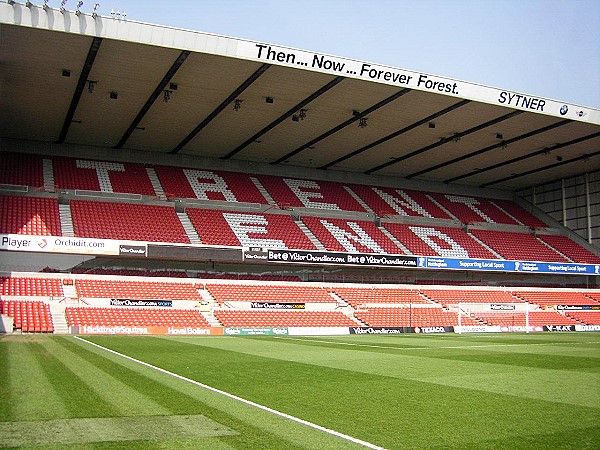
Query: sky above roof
{"x": 545, "y": 48}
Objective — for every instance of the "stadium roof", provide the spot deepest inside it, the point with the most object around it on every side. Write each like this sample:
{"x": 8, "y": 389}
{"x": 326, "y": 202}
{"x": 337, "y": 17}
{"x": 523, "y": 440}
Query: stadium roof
{"x": 110, "y": 82}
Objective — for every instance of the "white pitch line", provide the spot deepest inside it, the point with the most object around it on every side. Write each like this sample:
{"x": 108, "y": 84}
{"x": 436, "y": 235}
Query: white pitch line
{"x": 239, "y": 399}
{"x": 353, "y": 344}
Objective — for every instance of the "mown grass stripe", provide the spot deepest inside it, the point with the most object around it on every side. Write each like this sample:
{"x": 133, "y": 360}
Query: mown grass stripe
{"x": 242, "y": 400}
{"x": 120, "y": 398}
{"x": 29, "y": 392}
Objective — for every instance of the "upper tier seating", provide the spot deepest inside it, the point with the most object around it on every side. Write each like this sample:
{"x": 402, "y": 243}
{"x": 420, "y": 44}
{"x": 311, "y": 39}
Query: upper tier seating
{"x": 208, "y": 185}
{"x": 104, "y": 176}
{"x": 571, "y": 249}
{"x": 248, "y": 229}
{"x": 29, "y": 215}
{"x": 411, "y": 317}
{"x": 31, "y": 286}
{"x": 297, "y": 193}
{"x": 438, "y": 241}
{"x": 28, "y": 316}
{"x": 553, "y": 298}
{"x": 357, "y": 296}
{"x": 350, "y": 236}
{"x": 587, "y": 317}
{"x": 385, "y": 201}
{"x": 21, "y": 169}
{"x": 270, "y": 318}
{"x": 518, "y": 246}
{"x": 126, "y": 221}
{"x": 136, "y": 289}
{"x": 520, "y": 214}
{"x": 453, "y": 297}
{"x": 134, "y": 317}
{"x": 264, "y": 293}
{"x": 472, "y": 209}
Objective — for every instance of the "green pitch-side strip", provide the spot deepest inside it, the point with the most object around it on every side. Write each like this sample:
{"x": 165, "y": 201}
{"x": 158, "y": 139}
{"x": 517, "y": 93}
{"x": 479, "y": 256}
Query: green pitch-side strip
{"x": 370, "y": 394}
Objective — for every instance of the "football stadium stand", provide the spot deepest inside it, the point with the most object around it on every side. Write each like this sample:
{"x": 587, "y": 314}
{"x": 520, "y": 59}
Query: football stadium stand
{"x": 217, "y": 214}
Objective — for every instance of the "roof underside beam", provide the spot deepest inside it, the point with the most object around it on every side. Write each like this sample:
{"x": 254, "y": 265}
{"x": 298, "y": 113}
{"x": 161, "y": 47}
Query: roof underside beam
{"x": 402, "y": 131}
{"x": 241, "y": 88}
{"x": 289, "y": 113}
{"x": 491, "y": 147}
{"x": 83, "y": 76}
{"x": 524, "y": 157}
{"x": 341, "y": 126}
{"x": 541, "y": 169}
{"x": 157, "y": 91}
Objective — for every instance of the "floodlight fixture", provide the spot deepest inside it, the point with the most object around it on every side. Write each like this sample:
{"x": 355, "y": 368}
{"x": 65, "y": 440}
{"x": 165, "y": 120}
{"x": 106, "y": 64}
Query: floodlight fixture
{"x": 94, "y": 13}
{"x": 62, "y": 6}
{"x": 167, "y": 95}
{"x": 237, "y": 104}
{"x": 28, "y": 4}
{"x": 431, "y": 124}
{"x": 79, "y": 5}
{"x": 302, "y": 114}
{"x": 362, "y": 122}
{"x": 46, "y": 7}
{"x": 91, "y": 85}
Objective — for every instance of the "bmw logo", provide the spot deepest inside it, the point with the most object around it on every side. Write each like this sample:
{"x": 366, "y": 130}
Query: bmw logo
{"x": 563, "y": 110}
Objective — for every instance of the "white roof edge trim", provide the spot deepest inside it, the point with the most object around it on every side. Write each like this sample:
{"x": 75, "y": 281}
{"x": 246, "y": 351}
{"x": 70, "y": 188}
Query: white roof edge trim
{"x": 196, "y": 41}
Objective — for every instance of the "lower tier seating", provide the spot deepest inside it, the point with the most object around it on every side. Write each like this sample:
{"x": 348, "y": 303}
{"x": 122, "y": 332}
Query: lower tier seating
{"x": 453, "y": 297}
{"x": 131, "y": 289}
{"x": 250, "y": 318}
{"x": 553, "y": 298}
{"x": 264, "y": 293}
{"x": 31, "y": 286}
{"x": 134, "y": 317}
{"x": 536, "y": 318}
{"x": 411, "y": 317}
{"x": 356, "y": 296}
{"x": 28, "y": 316}
{"x": 586, "y": 317}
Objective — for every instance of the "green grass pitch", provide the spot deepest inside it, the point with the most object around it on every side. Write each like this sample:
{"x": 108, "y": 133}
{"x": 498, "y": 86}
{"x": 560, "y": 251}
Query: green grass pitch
{"x": 490, "y": 391}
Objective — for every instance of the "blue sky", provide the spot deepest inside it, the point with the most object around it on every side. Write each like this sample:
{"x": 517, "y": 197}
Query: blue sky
{"x": 546, "y": 48}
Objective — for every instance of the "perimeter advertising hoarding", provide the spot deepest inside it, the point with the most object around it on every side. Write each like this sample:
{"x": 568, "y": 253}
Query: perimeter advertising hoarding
{"x": 434, "y": 262}
{"x": 58, "y": 244}
{"x": 254, "y": 331}
{"x": 140, "y": 302}
{"x": 147, "y": 330}
{"x": 340, "y": 258}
